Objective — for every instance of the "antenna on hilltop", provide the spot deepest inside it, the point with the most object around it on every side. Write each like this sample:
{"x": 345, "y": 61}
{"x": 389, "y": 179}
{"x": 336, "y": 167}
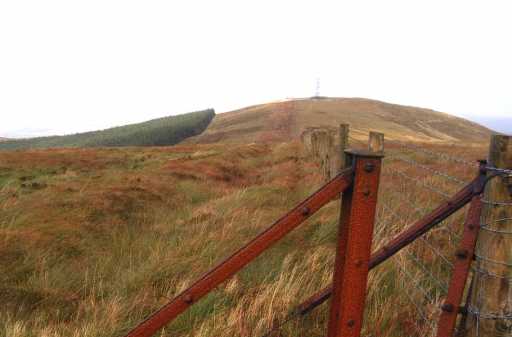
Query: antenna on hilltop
{"x": 317, "y": 88}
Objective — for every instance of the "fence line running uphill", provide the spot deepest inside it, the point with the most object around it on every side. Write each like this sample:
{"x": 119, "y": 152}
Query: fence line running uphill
{"x": 427, "y": 219}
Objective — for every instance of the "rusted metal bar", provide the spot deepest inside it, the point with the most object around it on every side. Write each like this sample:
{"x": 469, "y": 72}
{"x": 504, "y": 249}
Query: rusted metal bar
{"x": 463, "y": 259}
{"x": 354, "y": 247}
{"x": 419, "y": 228}
{"x": 461, "y": 329}
{"x": 239, "y": 259}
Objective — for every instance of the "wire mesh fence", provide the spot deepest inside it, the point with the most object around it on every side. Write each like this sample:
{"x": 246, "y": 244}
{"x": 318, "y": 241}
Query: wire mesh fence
{"x": 415, "y": 180}
{"x": 406, "y": 293}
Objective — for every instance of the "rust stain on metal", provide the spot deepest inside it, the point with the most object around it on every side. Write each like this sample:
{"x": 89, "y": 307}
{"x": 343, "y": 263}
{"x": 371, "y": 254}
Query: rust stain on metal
{"x": 239, "y": 259}
{"x": 459, "y": 200}
{"x": 460, "y": 271}
{"x": 353, "y": 251}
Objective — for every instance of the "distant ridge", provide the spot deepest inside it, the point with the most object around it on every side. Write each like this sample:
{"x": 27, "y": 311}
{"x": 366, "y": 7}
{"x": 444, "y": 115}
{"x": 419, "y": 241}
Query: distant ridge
{"x": 157, "y": 132}
{"x": 500, "y": 124}
{"x": 286, "y": 120}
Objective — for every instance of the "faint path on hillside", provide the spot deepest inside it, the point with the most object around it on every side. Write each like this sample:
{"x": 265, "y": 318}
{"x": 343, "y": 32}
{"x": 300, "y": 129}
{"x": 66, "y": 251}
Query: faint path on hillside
{"x": 281, "y": 122}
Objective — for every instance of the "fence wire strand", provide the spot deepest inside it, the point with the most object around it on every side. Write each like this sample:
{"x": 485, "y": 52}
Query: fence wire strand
{"x": 412, "y": 189}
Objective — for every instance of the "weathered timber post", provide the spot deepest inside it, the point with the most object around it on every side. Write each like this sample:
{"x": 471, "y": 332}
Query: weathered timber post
{"x": 307, "y": 139}
{"x": 376, "y": 142}
{"x": 320, "y": 142}
{"x": 328, "y": 147}
{"x": 355, "y": 233}
{"x": 323, "y": 142}
{"x": 490, "y": 307}
{"x": 338, "y": 159}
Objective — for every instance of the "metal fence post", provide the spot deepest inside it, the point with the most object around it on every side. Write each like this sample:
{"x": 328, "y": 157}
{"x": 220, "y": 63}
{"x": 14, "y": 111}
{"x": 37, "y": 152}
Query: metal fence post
{"x": 354, "y": 246}
{"x": 490, "y": 307}
{"x": 460, "y": 271}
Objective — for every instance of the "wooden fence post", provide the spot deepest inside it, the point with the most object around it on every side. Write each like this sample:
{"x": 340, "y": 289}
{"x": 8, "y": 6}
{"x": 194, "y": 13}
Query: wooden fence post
{"x": 305, "y": 137}
{"x": 323, "y": 142}
{"x": 339, "y": 145}
{"x": 376, "y": 142}
{"x": 490, "y": 307}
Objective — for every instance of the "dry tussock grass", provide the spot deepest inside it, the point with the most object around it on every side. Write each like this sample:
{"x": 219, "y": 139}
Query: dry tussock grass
{"x": 107, "y": 236}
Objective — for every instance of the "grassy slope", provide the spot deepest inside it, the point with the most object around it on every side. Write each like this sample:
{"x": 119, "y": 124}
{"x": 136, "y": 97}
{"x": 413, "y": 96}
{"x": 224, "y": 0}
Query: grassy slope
{"x": 286, "y": 120}
{"x": 96, "y": 239}
{"x": 92, "y": 240}
{"x": 162, "y": 131}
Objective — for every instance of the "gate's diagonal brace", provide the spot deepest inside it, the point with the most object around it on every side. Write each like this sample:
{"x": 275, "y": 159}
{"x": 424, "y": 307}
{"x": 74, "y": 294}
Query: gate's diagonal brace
{"x": 422, "y": 226}
{"x": 242, "y": 257}
{"x": 463, "y": 259}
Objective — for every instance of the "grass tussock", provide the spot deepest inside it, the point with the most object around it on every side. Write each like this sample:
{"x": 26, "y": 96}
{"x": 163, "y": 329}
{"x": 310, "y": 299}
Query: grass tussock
{"x": 92, "y": 241}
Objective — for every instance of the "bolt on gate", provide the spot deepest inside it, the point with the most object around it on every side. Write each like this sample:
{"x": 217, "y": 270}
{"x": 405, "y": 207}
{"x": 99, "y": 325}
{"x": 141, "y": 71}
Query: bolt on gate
{"x": 358, "y": 184}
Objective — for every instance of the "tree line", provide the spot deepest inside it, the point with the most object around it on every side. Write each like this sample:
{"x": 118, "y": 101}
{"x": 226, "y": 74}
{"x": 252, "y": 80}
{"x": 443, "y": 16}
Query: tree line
{"x": 157, "y": 132}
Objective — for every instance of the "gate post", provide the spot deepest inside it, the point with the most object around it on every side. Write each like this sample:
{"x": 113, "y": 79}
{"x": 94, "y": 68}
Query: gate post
{"x": 376, "y": 142}
{"x": 354, "y": 246}
{"x": 339, "y": 145}
{"x": 490, "y": 307}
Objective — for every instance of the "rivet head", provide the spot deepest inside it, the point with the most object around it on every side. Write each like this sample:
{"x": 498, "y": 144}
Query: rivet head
{"x": 358, "y": 263}
{"x": 461, "y": 254}
{"x": 188, "y": 299}
{"x": 351, "y": 322}
{"x": 369, "y": 167}
{"x": 305, "y": 211}
{"x": 366, "y": 192}
{"x": 447, "y": 307}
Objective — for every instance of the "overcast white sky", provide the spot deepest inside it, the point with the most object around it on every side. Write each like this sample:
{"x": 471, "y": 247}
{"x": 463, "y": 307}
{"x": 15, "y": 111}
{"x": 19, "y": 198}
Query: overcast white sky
{"x": 69, "y": 66}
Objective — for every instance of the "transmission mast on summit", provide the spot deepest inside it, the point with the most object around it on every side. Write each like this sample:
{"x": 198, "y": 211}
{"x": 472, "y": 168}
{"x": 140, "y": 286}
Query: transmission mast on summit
{"x": 317, "y": 89}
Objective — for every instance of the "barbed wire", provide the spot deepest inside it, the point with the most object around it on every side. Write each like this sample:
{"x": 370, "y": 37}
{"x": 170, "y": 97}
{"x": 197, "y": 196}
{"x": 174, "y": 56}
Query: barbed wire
{"x": 422, "y": 238}
{"x": 398, "y": 217}
{"x": 488, "y": 273}
{"x": 499, "y": 171}
{"x": 430, "y": 169}
{"x": 497, "y": 203}
{"x": 488, "y": 260}
{"x": 420, "y": 211}
{"x": 436, "y": 154}
{"x": 417, "y": 181}
{"x": 415, "y": 281}
{"x": 485, "y": 226}
{"x": 492, "y": 316}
